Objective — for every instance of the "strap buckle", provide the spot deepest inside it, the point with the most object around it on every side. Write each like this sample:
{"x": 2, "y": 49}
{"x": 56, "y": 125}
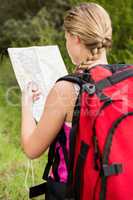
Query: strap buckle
{"x": 90, "y": 88}
{"x": 114, "y": 169}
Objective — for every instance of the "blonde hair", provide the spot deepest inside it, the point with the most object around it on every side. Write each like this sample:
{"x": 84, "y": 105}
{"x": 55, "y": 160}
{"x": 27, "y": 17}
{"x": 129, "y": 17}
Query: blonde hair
{"x": 92, "y": 24}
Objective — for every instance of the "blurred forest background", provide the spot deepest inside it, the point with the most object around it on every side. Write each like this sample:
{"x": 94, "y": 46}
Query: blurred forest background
{"x": 40, "y": 22}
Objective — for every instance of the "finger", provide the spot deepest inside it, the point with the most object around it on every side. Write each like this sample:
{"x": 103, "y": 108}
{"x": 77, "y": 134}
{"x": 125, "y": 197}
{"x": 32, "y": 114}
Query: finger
{"x": 32, "y": 88}
{"x": 38, "y": 93}
{"x": 36, "y": 98}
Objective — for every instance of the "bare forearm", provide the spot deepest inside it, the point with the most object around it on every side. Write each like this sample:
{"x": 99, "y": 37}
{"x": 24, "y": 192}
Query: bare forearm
{"x": 28, "y": 123}
{"x": 29, "y": 138}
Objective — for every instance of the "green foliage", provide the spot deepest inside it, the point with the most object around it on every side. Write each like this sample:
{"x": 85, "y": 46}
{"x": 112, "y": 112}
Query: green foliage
{"x": 31, "y": 31}
{"x": 44, "y": 26}
{"x": 18, "y": 9}
{"x": 17, "y": 173}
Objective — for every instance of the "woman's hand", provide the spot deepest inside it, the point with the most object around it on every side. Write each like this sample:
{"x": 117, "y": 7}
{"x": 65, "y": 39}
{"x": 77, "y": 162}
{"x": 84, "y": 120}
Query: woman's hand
{"x": 30, "y": 94}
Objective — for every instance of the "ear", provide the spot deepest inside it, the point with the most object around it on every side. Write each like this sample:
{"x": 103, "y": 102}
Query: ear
{"x": 77, "y": 39}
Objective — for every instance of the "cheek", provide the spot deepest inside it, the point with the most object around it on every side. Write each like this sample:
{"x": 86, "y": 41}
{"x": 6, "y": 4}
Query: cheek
{"x": 70, "y": 48}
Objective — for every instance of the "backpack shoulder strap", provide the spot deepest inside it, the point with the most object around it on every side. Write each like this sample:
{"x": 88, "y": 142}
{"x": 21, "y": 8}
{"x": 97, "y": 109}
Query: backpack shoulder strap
{"x": 40, "y": 189}
{"x": 118, "y": 73}
{"x": 115, "y": 78}
{"x": 113, "y": 67}
{"x": 116, "y": 67}
{"x": 73, "y": 78}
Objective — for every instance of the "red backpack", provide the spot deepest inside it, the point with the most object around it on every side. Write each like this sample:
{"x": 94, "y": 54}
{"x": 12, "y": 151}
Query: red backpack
{"x": 101, "y": 138}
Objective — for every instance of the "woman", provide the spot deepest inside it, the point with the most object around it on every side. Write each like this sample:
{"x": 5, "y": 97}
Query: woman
{"x": 88, "y": 34}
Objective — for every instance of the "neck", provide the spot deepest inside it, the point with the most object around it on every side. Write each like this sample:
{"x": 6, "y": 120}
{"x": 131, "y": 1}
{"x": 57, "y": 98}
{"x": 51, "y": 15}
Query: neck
{"x": 88, "y": 64}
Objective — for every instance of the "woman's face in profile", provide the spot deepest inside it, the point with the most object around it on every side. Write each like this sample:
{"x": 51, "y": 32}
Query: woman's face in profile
{"x": 73, "y": 47}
